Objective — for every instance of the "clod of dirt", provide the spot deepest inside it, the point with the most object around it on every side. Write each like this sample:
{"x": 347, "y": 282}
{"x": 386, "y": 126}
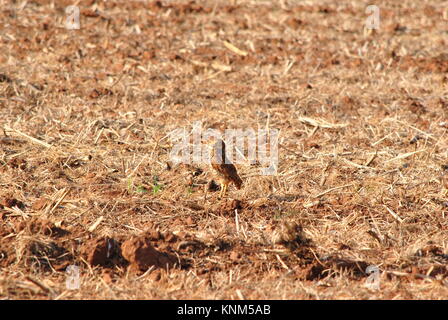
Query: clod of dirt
{"x": 40, "y": 204}
{"x": 98, "y": 251}
{"x": 234, "y": 256}
{"x": 294, "y": 23}
{"x": 228, "y": 206}
{"x": 189, "y": 221}
{"x": 11, "y": 202}
{"x": 142, "y": 255}
{"x": 107, "y": 276}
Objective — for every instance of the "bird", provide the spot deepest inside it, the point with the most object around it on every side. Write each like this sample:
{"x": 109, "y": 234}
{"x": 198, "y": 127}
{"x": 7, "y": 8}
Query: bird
{"x": 225, "y": 170}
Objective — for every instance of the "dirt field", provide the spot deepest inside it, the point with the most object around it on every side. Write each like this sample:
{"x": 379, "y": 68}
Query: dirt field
{"x": 86, "y": 177}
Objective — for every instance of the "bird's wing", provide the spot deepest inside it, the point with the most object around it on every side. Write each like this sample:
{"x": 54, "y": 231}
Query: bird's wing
{"x": 229, "y": 170}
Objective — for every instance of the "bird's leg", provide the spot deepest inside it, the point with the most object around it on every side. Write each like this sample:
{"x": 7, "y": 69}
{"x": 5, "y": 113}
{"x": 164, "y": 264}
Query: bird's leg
{"x": 221, "y": 191}
{"x": 225, "y": 189}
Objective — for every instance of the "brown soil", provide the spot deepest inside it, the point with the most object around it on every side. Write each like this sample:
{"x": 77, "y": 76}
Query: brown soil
{"x": 86, "y": 178}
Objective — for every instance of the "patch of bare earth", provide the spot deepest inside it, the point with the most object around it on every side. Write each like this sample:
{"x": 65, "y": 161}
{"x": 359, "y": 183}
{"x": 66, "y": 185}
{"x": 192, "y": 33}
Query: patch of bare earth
{"x": 86, "y": 177}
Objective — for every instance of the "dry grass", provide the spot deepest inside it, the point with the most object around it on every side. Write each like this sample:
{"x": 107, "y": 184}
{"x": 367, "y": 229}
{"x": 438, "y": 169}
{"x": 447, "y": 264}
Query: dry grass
{"x": 363, "y": 154}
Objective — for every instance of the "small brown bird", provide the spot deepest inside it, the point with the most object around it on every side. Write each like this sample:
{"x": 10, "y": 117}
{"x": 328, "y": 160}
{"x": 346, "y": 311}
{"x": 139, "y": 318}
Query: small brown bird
{"x": 224, "y": 168}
